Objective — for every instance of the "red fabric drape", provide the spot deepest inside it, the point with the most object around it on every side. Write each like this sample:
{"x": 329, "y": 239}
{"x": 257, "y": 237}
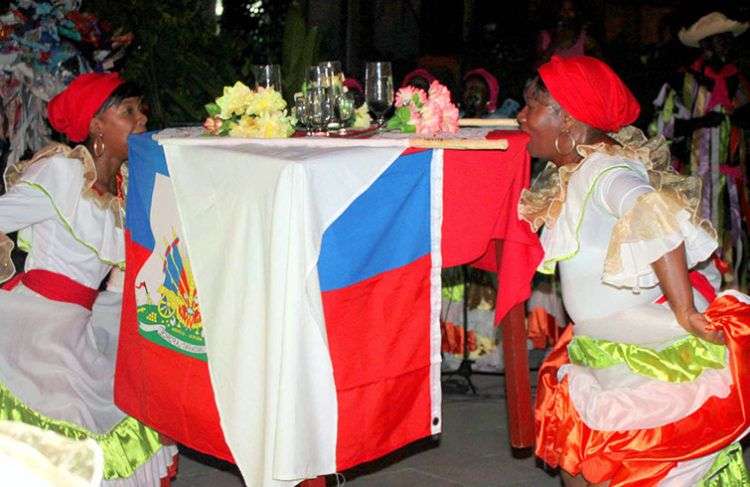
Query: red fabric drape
{"x": 480, "y": 199}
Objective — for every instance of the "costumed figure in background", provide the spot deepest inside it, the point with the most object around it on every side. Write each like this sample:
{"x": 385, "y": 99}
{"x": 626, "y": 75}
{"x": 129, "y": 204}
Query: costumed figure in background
{"x": 568, "y": 37}
{"x": 698, "y": 111}
{"x": 419, "y": 78}
{"x": 650, "y": 385}
{"x": 43, "y": 46}
{"x": 59, "y": 333}
{"x": 481, "y": 92}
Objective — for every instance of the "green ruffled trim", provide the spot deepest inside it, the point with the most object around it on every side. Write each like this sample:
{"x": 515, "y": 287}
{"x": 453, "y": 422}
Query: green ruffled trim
{"x": 23, "y": 244}
{"x": 728, "y": 470}
{"x": 548, "y": 266}
{"x": 683, "y": 361}
{"x": 126, "y": 447}
{"x": 69, "y": 228}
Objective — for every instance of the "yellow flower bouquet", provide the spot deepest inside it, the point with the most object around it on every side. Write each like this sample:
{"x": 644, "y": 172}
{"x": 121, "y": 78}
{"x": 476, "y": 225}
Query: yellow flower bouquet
{"x": 242, "y": 112}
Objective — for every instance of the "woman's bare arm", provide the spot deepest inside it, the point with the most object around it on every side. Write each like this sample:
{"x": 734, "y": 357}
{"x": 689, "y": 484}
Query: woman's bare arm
{"x": 672, "y": 271}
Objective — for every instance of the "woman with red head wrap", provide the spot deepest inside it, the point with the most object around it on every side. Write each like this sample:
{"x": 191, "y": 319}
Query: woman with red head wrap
{"x": 59, "y": 331}
{"x": 639, "y": 391}
{"x": 480, "y": 92}
{"x": 418, "y": 78}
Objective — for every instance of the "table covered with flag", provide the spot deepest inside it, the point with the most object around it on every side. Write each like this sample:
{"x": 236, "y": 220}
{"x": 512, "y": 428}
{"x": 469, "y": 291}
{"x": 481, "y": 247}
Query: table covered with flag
{"x": 282, "y": 297}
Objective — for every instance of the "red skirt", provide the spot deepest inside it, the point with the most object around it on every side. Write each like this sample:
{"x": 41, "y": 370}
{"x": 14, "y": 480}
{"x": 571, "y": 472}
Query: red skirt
{"x": 643, "y": 457}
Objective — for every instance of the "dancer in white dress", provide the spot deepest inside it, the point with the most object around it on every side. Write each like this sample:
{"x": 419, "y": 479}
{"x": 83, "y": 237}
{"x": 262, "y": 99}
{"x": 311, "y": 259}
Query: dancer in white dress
{"x": 642, "y": 390}
{"x": 59, "y": 333}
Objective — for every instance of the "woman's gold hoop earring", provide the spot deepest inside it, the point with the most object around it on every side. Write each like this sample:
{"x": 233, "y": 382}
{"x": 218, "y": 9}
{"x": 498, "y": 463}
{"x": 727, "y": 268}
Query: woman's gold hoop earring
{"x": 98, "y": 146}
{"x": 573, "y": 143}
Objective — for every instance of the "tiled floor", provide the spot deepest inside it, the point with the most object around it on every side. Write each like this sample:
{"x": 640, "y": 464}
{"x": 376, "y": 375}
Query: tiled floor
{"x": 473, "y": 451}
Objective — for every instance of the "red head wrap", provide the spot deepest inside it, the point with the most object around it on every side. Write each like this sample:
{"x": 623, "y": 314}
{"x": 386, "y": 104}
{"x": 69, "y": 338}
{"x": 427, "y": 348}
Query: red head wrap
{"x": 71, "y": 111}
{"x": 418, "y": 73}
{"x": 492, "y": 85}
{"x": 590, "y": 92}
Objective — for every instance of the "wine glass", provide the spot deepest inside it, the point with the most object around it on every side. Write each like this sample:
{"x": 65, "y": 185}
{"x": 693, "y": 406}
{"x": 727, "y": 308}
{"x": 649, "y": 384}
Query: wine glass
{"x": 334, "y": 66}
{"x": 319, "y": 75}
{"x": 337, "y": 84}
{"x": 267, "y": 76}
{"x": 379, "y": 89}
{"x": 321, "y": 98}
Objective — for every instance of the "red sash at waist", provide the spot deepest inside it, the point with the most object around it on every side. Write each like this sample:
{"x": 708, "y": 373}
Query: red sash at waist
{"x": 55, "y": 287}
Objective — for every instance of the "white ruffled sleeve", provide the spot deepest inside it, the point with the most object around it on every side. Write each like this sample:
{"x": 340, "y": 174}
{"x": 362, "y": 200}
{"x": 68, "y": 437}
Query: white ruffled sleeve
{"x": 23, "y": 206}
{"x": 650, "y": 224}
{"x": 20, "y": 207}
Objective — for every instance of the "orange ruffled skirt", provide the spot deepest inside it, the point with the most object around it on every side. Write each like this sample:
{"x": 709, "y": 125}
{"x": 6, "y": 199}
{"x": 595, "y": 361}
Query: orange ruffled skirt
{"x": 643, "y": 457}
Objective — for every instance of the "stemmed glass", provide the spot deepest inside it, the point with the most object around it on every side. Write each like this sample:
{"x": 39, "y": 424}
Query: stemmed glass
{"x": 267, "y": 76}
{"x": 337, "y": 84}
{"x": 379, "y": 89}
{"x": 320, "y": 98}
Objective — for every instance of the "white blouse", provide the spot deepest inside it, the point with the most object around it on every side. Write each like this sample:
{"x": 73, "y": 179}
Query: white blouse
{"x": 63, "y": 231}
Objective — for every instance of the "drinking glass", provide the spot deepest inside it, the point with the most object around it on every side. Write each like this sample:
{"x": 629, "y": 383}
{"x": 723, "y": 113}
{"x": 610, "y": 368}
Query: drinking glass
{"x": 267, "y": 76}
{"x": 337, "y": 83}
{"x": 345, "y": 109}
{"x": 301, "y": 112}
{"x": 320, "y": 76}
{"x": 334, "y": 66}
{"x": 319, "y": 107}
{"x": 379, "y": 89}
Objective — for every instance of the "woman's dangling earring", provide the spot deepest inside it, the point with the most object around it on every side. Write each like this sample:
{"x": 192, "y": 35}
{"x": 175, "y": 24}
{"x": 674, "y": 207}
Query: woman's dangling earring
{"x": 573, "y": 143}
{"x": 99, "y": 146}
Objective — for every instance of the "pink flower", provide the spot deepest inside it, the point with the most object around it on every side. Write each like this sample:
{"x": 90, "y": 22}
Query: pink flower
{"x": 405, "y": 96}
{"x": 439, "y": 94}
{"x": 432, "y": 117}
{"x": 450, "y": 119}
{"x": 212, "y": 125}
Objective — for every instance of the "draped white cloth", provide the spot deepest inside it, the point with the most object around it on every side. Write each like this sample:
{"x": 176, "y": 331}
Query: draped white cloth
{"x": 253, "y": 231}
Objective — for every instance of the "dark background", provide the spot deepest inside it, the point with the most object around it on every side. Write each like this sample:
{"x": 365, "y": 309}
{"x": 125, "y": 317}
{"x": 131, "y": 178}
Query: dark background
{"x": 183, "y": 54}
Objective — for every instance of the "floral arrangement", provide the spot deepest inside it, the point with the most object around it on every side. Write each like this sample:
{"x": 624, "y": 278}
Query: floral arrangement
{"x": 362, "y": 118}
{"x": 242, "y": 112}
{"x": 424, "y": 113}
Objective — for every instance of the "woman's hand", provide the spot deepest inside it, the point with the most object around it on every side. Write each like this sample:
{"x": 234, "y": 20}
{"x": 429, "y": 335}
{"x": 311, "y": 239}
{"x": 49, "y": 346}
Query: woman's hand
{"x": 695, "y": 323}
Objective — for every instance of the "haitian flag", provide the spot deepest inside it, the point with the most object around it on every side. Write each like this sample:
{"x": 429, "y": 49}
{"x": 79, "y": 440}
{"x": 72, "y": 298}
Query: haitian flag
{"x": 297, "y": 287}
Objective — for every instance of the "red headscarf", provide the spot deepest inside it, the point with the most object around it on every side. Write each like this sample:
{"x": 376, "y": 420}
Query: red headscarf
{"x": 590, "y": 92}
{"x": 492, "y": 85}
{"x": 418, "y": 73}
{"x": 71, "y": 111}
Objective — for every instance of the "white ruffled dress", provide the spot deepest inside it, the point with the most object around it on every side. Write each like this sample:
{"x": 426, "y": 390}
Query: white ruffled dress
{"x": 611, "y": 224}
{"x": 57, "y": 358}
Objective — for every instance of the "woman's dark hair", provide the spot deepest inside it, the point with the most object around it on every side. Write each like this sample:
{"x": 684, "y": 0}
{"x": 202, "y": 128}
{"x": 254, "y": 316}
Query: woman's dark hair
{"x": 539, "y": 88}
{"x": 540, "y": 92}
{"x": 126, "y": 90}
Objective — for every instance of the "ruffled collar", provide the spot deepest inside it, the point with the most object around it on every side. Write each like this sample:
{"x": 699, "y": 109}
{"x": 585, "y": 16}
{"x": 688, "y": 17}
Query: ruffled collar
{"x": 105, "y": 201}
{"x": 542, "y": 204}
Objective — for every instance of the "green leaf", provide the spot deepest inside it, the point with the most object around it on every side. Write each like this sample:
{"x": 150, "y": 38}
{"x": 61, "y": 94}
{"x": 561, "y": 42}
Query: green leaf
{"x": 225, "y": 128}
{"x": 403, "y": 114}
{"x": 393, "y": 123}
{"x": 213, "y": 109}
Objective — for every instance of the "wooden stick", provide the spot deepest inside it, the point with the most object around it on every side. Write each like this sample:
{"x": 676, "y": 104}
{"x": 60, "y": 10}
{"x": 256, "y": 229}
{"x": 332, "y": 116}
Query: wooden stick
{"x": 488, "y": 122}
{"x": 460, "y": 144}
